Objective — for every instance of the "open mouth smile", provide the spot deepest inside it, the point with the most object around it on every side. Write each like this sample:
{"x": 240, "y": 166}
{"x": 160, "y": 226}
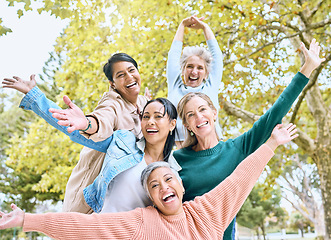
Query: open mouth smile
{"x": 131, "y": 85}
{"x": 202, "y": 124}
{"x": 169, "y": 197}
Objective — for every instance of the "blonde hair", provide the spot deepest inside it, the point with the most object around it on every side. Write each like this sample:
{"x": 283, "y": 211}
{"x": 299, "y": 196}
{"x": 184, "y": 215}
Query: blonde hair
{"x": 192, "y": 140}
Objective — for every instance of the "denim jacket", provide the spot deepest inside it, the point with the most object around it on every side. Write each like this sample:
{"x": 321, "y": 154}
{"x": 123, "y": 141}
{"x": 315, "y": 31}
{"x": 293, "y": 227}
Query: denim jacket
{"x": 122, "y": 150}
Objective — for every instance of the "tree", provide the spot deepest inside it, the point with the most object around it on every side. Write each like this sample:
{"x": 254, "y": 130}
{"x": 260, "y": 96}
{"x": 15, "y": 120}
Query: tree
{"x": 297, "y": 221}
{"x": 301, "y": 183}
{"x": 259, "y": 207}
{"x": 259, "y": 40}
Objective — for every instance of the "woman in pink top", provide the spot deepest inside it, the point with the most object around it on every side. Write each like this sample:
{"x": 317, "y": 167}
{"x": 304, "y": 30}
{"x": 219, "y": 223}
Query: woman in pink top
{"x": 206, "y": 217}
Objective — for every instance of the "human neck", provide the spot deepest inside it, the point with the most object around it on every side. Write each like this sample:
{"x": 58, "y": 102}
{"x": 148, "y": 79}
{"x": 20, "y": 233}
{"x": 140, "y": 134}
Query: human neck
{"x": 205, "y": 143}
{"x": 153, "y": 153}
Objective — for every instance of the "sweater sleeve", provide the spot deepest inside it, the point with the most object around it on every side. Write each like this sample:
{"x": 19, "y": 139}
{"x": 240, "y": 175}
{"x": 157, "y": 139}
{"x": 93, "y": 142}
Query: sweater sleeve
{"x": 173, "y": 65}
{"x": 262, "y": 128}
{"x": 36, "y": 101}
{"x": 82, "y": 226}
{"x": 216, "y": 65}
{"x": 221, "y": 204}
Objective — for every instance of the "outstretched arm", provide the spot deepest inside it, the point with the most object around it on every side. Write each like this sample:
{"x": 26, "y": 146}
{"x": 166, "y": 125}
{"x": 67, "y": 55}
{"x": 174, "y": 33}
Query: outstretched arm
{"x": 281, "y": 135}
{"x": 13, "y": 219}
{"x": 74, "y": 118}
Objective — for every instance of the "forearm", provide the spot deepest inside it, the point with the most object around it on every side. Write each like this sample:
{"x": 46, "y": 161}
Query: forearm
{"x": 36, "y": 101}
{"x": 179, "y": 36}
{"x": 208, "y": 32}
{"x": 82, "y": 226}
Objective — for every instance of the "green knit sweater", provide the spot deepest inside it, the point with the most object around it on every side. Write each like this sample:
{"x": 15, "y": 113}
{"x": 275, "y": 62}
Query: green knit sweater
{"x": 204, "y": 170}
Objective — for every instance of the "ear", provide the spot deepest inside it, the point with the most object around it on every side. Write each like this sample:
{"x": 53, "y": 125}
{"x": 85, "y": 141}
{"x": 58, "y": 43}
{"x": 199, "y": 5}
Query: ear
{"x": 214, "y": 114}
{"x": 187, "y": 127}
{"x": 112, "y": 84}
{"x": 172, "y": 124}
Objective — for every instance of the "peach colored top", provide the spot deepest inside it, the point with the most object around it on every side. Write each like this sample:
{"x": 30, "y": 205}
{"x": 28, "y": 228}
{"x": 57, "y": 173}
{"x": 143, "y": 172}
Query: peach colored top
{"x": 206, "y": 217}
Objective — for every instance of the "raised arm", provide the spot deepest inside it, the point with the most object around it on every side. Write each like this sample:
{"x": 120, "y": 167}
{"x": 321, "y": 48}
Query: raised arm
{"x": 223, "y": 202}
{"x": 312, "y": 59}
{"x": 262, "y": 128}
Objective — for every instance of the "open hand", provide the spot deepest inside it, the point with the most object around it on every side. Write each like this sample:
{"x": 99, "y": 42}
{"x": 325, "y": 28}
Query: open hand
{"x": 13, "y": 219}
{"x": 73, "y": 117}
{"x": 19, "y": 84}
{"x": 312, "y": 55}
{"x": 281, "y": 135}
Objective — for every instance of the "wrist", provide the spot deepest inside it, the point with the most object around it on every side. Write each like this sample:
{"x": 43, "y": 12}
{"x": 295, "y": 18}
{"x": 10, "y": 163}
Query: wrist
{"x": 89, "y": 125}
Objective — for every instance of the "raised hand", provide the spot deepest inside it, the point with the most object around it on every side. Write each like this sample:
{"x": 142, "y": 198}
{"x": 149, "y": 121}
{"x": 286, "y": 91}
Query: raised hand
{"x": 281, "y": 135}
{"x": 312, "y": 59}
{"x": 73, "y": 117}
{"x": 193, "y": 22}
{"x": 13, "y": 219}
{"x": 19, "y": 84}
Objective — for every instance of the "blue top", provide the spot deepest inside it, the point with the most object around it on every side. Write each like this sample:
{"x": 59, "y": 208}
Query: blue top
{"x": 122, "y": 151}
{"x": 210, "y": 87}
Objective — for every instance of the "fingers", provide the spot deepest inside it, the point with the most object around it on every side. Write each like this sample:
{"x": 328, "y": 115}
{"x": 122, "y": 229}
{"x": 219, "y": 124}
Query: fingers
{"x": 2, "y": 214}
{"x": 13, "y": 206}
{"x": 68, "y": 102}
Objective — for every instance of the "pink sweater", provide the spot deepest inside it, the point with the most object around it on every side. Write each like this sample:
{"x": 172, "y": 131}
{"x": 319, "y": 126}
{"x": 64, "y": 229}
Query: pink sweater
{"x": 206, "y": 217}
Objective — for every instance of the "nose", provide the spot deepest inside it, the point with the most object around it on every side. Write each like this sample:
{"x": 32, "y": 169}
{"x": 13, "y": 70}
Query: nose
{"x": 198, "y": 114}
{"x": 164, "y": 186}
{"x": 151, "y": 121}
{"x": 195, "y": 70}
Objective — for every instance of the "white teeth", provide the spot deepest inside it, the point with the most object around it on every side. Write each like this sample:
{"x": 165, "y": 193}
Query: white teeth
{"x": 202, "y": 124}
{"x": 151, "y": 130}
{"x": 192, "y": 78}
{"x": 130, "y": 85}
{"x": 168, "y": 195}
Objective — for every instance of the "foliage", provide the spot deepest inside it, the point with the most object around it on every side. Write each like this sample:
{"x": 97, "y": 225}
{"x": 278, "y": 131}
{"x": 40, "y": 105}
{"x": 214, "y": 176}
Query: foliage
{"x": 259, "y": 40}
{"x": 260, "y": 208}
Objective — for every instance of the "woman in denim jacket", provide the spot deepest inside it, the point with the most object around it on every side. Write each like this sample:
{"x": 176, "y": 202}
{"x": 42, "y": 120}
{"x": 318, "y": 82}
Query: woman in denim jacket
{"x": 117, "y": 187}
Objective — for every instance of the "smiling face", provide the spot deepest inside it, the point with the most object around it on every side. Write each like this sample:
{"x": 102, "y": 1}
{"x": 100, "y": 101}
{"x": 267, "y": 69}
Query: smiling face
{"x": 126, "y": 80}
{"x": 194, "y": 71}
{"x": 166, "y": 191}
{"x": 155, "y": 124}
{"x": 200, "y": 117}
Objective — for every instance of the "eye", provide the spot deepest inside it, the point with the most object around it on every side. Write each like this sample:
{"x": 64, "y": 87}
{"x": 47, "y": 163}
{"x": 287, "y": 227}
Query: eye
{"x": 190, "y": 115}
{"x": 203, "y": 109}
{"x": 120, "y": 75}
{"x": 155, "y": 185}
{"x": 132, "y": 70}
{"x": 189, "y": 66}
{"x": 200, "y": 68}
{"x": 145, "y": 117}
{"x": 168, "y": 179}
{"x": 159, "y": 116}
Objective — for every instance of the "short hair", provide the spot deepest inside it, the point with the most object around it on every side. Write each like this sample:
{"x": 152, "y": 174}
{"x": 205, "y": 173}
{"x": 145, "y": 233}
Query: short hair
{"x": 191, "y": 140}
{"x": 117, "y": 57}
{"x": 150, "y": 168}
{"x": 201, "y": 52}
{"x": 169, "y": 109}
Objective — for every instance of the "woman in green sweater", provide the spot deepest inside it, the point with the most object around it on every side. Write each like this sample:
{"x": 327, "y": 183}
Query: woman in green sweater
{"x": 205, "y": 160}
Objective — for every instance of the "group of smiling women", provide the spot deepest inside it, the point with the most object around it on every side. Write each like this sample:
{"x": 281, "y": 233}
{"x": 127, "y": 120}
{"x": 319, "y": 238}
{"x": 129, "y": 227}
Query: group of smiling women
{"x": 127, "y": 135}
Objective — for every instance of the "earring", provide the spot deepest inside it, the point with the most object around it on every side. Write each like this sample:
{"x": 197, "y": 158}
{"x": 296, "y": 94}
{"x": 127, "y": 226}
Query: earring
{"x": 191, "y": 133}
{"x": 170, "y": 132}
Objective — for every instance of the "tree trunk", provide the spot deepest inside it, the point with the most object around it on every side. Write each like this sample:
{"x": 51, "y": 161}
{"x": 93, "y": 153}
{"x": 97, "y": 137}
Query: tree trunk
{"x": 263, "y": 231}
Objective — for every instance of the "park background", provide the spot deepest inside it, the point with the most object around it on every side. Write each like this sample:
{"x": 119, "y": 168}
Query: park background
{"x": 259, "y": 41}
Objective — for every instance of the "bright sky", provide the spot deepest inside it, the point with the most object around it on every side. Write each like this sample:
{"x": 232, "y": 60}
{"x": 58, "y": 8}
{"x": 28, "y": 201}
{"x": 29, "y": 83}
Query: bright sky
{"x": 24, "y": 51}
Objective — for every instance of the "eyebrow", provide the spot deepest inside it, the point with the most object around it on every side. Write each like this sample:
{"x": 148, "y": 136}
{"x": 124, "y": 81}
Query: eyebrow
{"x": 154, "y": 180}
{"x": 128, "y": 68}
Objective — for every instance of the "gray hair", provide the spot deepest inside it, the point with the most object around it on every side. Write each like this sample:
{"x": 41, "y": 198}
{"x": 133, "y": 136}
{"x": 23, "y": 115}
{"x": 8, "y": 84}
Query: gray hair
{"x": 201, "y": 52}
{"x": 150, "y": 168}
